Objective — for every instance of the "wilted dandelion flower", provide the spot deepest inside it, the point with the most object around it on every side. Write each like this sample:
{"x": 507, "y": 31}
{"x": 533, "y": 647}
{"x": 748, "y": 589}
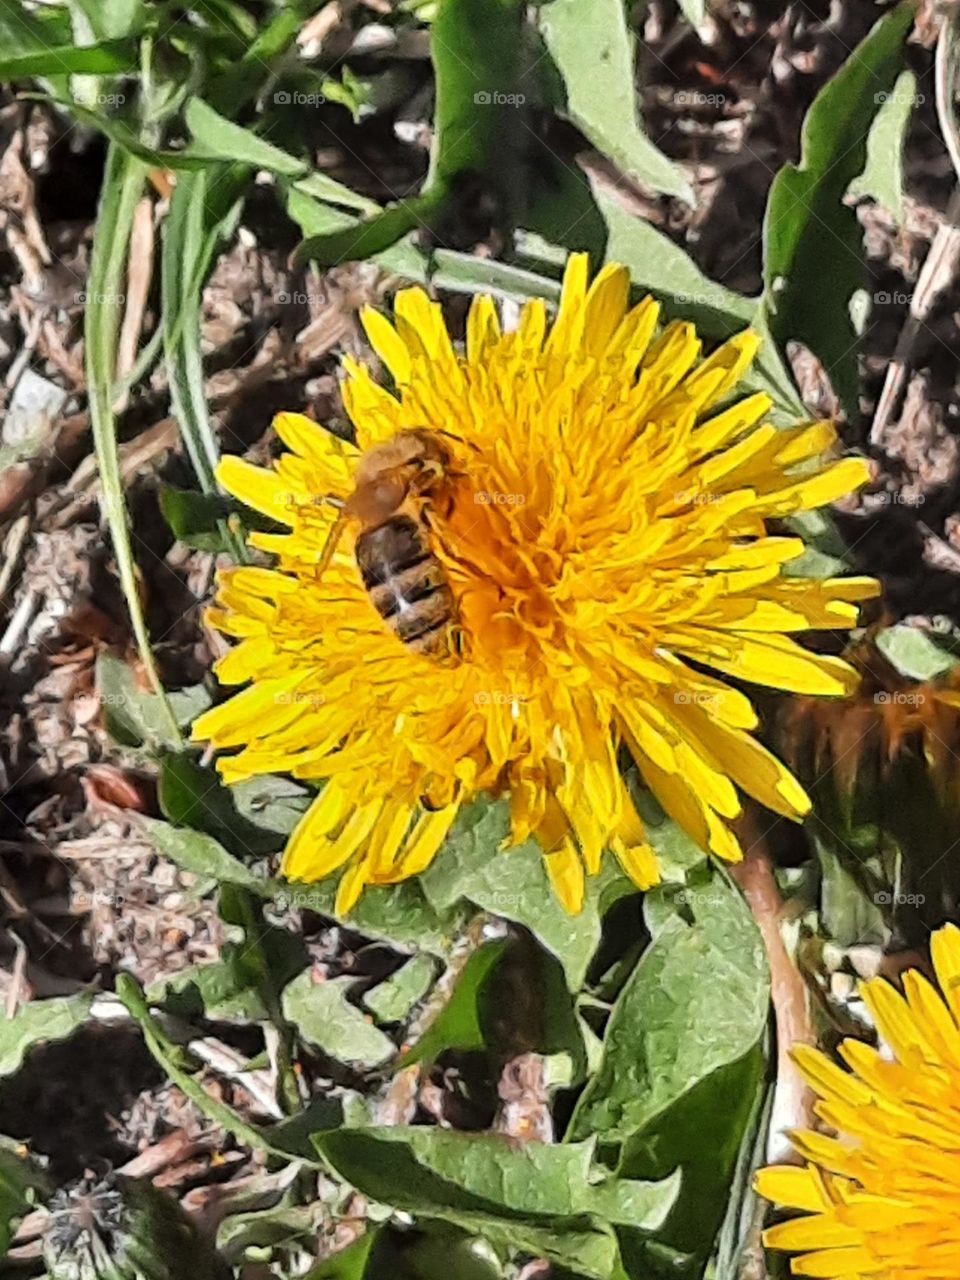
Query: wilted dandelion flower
{"x": 881, "y": 1200}
{"x": 601, "y": 526}
{"x": 859, "y": 743}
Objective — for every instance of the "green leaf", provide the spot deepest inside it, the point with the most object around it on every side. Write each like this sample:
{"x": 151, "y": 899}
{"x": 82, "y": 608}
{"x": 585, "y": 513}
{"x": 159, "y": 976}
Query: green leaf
{"x": 271, "y": 803}
{"x": 411, "y": 1255}
{"x": 198, "y": 853}
{"x": 20, "y": 1181}
{"x": 826, "y": 554}
{"x": 399, "y": 914}
{"x": 681, "y": 1065}
{"x": 327, "y": 1019}
{"x": 252, "y": 817}
{"x": 914, "y": 653}
{"x": 126, "y": 141}
{"x": 445, "y": 1252}
{"x": 418, "y": 1169}
{"x": 394, "y": 998}
{"x": 882, "y": 179}
{"x": 849, "y": 911}
{"x": 195, "y": 519}
{"x": 232, "y": 988}
{"x": 738, "y": 1235}
{"x": 668, "y": 1023}
{"x": 37, "y": 1023}
{"x": 350, "y": 1263}
{"x": 190, "y": 239}
{"x": 322, "y": 187}
{"x": 592, "y": 48}
{"x": 217, "y": 138}
{"x": 659, "y": 267}
{"x": 588, "y": 1253}
{"x": 217, "y": 991}
{"x": 372, "y": 236}
{"x": 242, "y": 1237}
{"x": 169, "y": 1057}
{"x": 460, "y": 1023}
{"x": 113, "y": 19}
{"x": 136, "y": 716}
{"x": 108, "y": 57}
{"x": 656, "y": 264}
{"x": 474, "y": 46}
{"x": 810, "y": 235}
{"x": 677, "y": 852}
{"x": 512, "y": 884}
{"x": 22, "y": 32}
{"x": 120, "y": 194}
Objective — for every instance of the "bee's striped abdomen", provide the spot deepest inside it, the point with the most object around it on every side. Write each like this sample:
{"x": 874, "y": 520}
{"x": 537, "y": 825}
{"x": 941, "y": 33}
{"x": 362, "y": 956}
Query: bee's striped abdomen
{"x": 406, "y": 584}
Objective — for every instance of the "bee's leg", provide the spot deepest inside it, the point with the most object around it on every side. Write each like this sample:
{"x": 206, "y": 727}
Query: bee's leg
{"x": 334, "y": 536}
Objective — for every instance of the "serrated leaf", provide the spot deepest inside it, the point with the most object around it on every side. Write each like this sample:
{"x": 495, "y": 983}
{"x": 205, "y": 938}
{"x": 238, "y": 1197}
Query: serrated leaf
{"x": 418, "y": 1169}
{"x": 37, "y": 1023}
{"x": 327, "y": 1019}
{"x": 668, "y": 1023}
{"x": 681, "y": 1067}
{"x": 882, "y": 179}
{"x": 216, "y": 991}
{"x": 915, "y": 653}
{"x": 399, "y": 914}
{"x": 232, "y": 988}
{"x": 512, "y": 884}
{"x": 593, "y": 50}
{"x": 810, "y": 235}
{"x": 393, "y": 999}
{"x": 198, "y": 853}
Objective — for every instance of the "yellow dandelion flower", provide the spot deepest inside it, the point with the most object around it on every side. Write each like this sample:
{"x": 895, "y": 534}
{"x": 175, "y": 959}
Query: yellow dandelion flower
{"x": 599, "y": 524}
{"x": 881, "y": 1200}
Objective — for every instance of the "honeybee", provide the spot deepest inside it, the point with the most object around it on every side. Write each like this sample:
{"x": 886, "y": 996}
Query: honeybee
{"x": 397, "y": 485}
